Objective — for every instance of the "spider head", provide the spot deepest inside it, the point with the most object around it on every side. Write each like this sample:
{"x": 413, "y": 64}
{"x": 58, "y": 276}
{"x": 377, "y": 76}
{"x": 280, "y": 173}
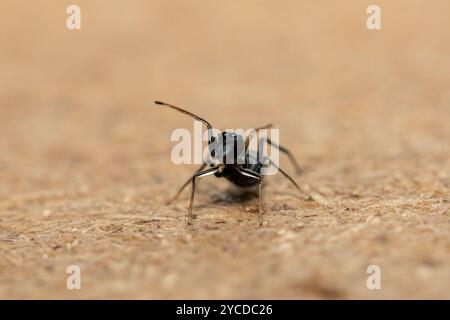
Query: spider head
{"x": 228, "y": 148}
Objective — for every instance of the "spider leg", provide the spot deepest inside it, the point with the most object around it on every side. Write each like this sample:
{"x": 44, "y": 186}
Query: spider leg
{"x": 175, "y": 197}
{"x": 196, "y": 175}
{"x": 256, "y": 176}
{"x": 250, "y": 136}
{"x": 270, "y": 162}
{"x": 287, "y": 176}
{"x": 304, "y": 189}
{"x": 288, "y": 153}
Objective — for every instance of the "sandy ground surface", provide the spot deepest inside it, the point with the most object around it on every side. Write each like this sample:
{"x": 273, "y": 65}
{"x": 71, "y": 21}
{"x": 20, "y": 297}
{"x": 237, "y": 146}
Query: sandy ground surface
{"x": 85, "y": 157}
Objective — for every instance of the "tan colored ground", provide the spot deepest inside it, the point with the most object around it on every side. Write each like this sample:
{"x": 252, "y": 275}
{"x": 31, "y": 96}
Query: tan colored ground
{"x": 85, "y": 157}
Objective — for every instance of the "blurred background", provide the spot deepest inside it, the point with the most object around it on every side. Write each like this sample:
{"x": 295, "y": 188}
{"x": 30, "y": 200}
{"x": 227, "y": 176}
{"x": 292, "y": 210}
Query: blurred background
{"x": 85, "y": 156}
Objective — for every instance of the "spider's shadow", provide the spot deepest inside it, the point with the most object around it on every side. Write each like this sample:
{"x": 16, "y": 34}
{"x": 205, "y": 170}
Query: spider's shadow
{"x": 236, "y": 195}
{"x": 232, "y": 195}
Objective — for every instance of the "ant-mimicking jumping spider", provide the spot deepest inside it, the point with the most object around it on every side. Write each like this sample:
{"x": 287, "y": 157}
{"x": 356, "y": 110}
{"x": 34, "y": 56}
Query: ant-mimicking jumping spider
{"x": 241, "y": 173}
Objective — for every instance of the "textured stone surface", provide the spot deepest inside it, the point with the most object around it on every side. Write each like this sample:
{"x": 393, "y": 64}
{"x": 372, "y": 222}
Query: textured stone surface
{"x": 85, "y": 157}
